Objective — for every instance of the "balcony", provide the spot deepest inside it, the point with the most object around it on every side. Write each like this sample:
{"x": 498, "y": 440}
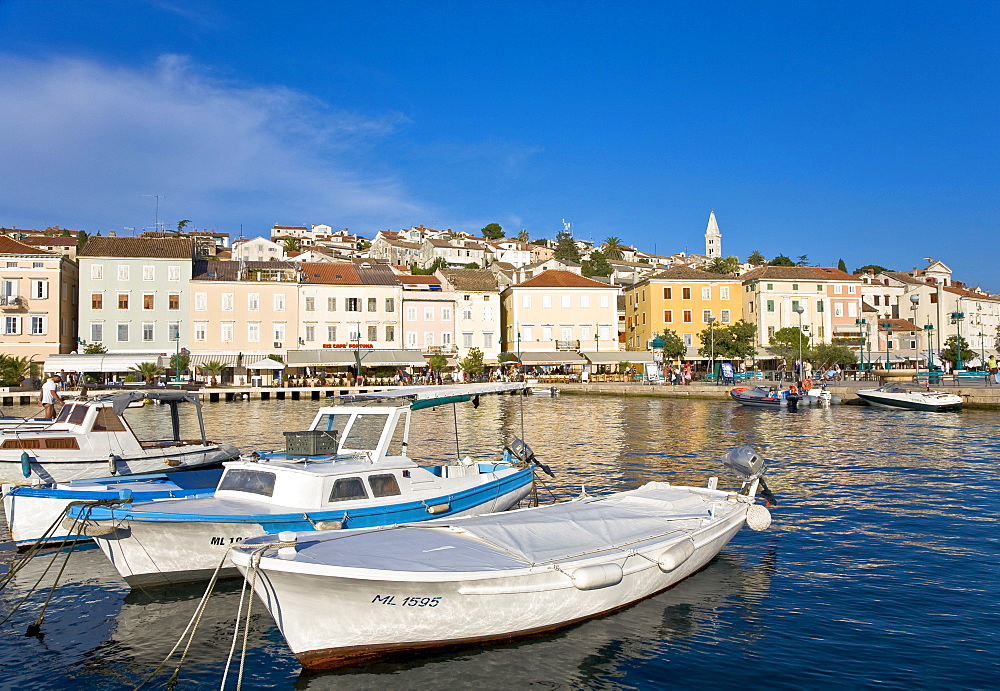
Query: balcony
{"x": 11, "y": 302}
{"x": 567, "y": 345}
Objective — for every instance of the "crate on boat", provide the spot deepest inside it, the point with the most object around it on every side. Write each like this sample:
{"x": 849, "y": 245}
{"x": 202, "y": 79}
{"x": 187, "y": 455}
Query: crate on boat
{"x": 310, "y": 443}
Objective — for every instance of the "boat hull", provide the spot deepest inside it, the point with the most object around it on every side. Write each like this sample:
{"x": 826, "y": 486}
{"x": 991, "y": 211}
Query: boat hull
{"x": 330, "y": 621}
{"x": 158, "y": 551}
{"x": 942, "y": 403}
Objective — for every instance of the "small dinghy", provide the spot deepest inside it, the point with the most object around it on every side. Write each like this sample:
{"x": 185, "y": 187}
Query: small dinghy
{"x": 792, "y": 397}
{"x": 351, "y": 469}
{"x": 342, "y": 597}
{"x": 895, "y": 395}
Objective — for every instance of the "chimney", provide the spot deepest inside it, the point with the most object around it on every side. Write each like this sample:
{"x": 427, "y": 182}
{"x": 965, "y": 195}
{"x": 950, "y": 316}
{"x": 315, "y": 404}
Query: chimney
{"x": 112, "y": 233}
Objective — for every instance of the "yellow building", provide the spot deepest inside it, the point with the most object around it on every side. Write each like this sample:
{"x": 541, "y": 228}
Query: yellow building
{"x": 683, "y": 300}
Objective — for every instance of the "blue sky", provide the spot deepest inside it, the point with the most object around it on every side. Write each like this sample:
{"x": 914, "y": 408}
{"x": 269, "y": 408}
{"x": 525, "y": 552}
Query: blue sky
{"x": 863, "y": 131}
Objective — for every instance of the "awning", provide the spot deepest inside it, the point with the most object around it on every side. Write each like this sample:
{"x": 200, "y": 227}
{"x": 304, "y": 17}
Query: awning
{"x": 117, "y": 362}
{"x": 554, "y": 358}
{"x": 613, "y": 357}
{"x": 328, "y": 357}
{"x": 267, "y": 363}
{"x": 227, "y": 360}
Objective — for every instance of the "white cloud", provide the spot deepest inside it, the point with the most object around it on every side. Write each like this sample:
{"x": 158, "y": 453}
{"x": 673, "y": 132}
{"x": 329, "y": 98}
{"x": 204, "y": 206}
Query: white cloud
{"x": 82, "y": 142}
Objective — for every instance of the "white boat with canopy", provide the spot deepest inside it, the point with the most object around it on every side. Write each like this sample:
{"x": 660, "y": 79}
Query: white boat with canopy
{"x": 340, "y": 598}
{"x": 351, "y": 469}
{"x": 92, "y": 438}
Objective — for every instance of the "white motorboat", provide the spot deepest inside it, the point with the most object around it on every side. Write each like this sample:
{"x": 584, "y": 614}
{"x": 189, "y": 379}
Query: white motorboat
{"x": 343, "y": 597}
{"x": 92, "y": 438}
{"x": 895, "y": 395}
{"x": 352, "y": 468}
{"x": 12, "y": 422}
{"x": 537, "y": 390}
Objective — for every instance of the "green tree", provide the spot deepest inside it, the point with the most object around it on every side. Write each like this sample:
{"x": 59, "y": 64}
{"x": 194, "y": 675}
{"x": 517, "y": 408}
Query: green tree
{"x": 834, "y": 354}
{"x": 212, "y": 369}
{"x": 785, "y": 344}
{"x": 541, "y": 242}
{"x": 523, "y": 236}
{"x": 95, "y": 349}
{"x": 181, "y": 225}
{"x": 612, "y": 248}
{"x": 756, "y": 258}
{"x": 597, "y": 265}
{"x": 566, "y": 249}
{"x": 438, "y": 263}
{"x": 292, "y": 244}
{"x": 781, "y": 260}
{"x": 13, "y": 369}
{"x": 147, "y": 370}
{"x": 841, "y": 265}
{"x": 472, "y": 265}
{"x": 730, "y": 266}
{"x": 437, "y": 362}
{"x": 473, "y": 362}
{"x": 492, "y": 231}
{"x": 870, "y": 267}
{"x": 803, "y": 260}
{"x": 952, "y": 346}
{"x": 732, "y": 341}
{"x": 673, "y": 345}
{"x": 81, "y": 240}
{"x": 179, "y": 363}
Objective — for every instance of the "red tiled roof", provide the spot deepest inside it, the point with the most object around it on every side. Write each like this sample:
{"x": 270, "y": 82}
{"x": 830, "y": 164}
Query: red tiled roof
{"x": 336, "y": 273}
{"x": 138, "y": 248}
{"x": 37, "y": 240}
{"x": 555, "y": 278}
{"x": 11, "y": 246}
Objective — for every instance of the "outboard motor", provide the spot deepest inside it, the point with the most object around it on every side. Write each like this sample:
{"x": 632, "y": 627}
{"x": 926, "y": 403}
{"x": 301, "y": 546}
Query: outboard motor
{"x": 749, "y": 466}
{"x": 521, "y": 452}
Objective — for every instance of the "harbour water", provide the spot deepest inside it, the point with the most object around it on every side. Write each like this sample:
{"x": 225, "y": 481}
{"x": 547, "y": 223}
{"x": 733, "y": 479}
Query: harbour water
{"x": 882, "y": 567}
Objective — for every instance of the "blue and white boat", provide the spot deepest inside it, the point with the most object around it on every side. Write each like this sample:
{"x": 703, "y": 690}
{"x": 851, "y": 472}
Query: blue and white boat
{"x": 34, "y": 513}
{"x": 351, "y": 469}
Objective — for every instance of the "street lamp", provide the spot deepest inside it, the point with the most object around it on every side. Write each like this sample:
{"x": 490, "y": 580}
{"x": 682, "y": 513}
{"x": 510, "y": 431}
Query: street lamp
{"x": 929, "y": 328}
{"x": 862, "y": 329}
{"x": 800, "y": 309}
{"x": 177, "y": 355}
{"x": 914, "y": 303}
{"x": 888, "y": 334}
{"x": 982, "y": 349}
{"x": 711, "y": 331}
{"x": 956, "y": 319}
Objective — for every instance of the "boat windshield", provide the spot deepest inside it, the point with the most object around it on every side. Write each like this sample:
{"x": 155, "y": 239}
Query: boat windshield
{"x": 366, "y": 431}
{"x": 246, "y": 480}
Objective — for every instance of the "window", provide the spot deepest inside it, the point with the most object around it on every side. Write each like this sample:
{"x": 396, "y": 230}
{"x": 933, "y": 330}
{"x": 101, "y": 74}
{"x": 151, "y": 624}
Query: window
{"x": 278, "y": 328}
{"x": 147, "y": 331}
{"x": 723, "y": 292}
{"x": 390, "y": 304}
{"x": 770, "y": 333}
{"x": 173, "y": 273}
{"x": 668, "y": 293}
{"x": 253, "y": 302}
{"x": 411, "y": 314}
{"x": 605, "y": 301}
{"x": 147, "y": 301}
{"x": 668, "y": 316}
{"x": 770, "y": 286}
{"x": 819, "y": 289}
{"x": 123, "y": 272}
{"x": 528, "y": 332}
{"x": 584, "y": 301}
{"x": 546, "y": 333}
{"x": 428, "y": 314}
{"x": 38, "y": 325}
{"x": 227, "y": 302}
{"x": 310, "y": 304}
{"x": 795, "y": 286}
{"x": 310, "y": 333}
{"x": 566, "y": 302}
{"x": 687, "y": 316}
{"x": 390, "y": 333}
{"x": 852, "y": 309}
{"x": 383, "y": 485}
{"x": 123, "y": 301}
{"x": 353, "y": 305}
{"x": 200, "y": 331}
{"x": 348, "y": 489}
{"x": 428, "y": 339}
{"x": 913, "y": 345}
{"x": 488, "y": 313}
{"x": 820, "y": 333}
{"x": 838, "y": 309}
{"x": 878, "y": 301}
{"x": 253, "y": 333}
{"x": 770, "y": 305}
{"x": 411, "y": 339}
{"x": 174, "y": 331}
{"x": 467, "y": 314}
{"x": 331, "y": 333}
{"x": 279, "y": 302}
{"x": 706, "y": 292}
{"x": 39, "y": 289}
{"x": 705, "y": 314}
{"x": 97, "y": 301}
{"x": 373, "y": 304}
{"x": 331, "y": 304}
{"x": 445, "y": 338}
{"x": 795, "y": 305}
{"x": 372, "y": 333}
{"x": 227, "y": 332}
{"x": 851, "y": 290}
{"x": 685, "y": 293}
{"x": 249, "y": 481}
{"x": 96, "y": 272}
{"x": 890, "y": 344}
{"x": 123, "y": 333}
{"x": 96, "y": 332}
{"x": 174, "y": 301}
{"x": 526, "y": 301}
{"x": 688, "y": 340}
{"x": 839, "y": 289}
{"x": 819, "y": 306}
{"x": 11, "y": 265}
{"x": 546, "y": 301}
{"x": 725, "y": 317}
{"x": 148, "y": 273}
{"x": 200, "y": 302}
{"x": 466, "y": 340}
{"x": 488, "y": 339}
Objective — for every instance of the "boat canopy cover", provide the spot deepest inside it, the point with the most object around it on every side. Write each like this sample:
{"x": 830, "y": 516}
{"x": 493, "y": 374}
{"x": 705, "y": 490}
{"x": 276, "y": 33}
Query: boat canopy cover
{"x": 517, "y": 539}
{"x": 121, "y": 401}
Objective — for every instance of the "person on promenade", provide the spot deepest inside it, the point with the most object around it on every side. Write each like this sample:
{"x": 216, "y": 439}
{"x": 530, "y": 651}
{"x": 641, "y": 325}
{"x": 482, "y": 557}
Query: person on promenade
{"x": 991, "y": 365}
{"x": 50, "y": 396}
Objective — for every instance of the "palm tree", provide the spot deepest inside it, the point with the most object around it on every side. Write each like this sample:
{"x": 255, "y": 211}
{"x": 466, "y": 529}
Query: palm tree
{"x": 212, "y": 369}
{"x": 13, "y": 369}
{"x": 292, "y": 244}
{"x": 181, "y": 225}
{"x": 147, "y": 370}
{"x": 612, "y": 248}
{"x": 523, "y": 236}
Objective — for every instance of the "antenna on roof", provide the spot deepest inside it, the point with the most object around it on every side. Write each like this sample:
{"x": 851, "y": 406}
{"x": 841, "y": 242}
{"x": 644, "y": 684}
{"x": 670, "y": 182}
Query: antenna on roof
{"x": 157, "y": 216}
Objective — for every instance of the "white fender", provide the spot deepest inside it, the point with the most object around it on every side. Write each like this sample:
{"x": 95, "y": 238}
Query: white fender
{"x": 675, "y": 555}
{"x": 597, "y": 576}
{"x": 758, "y": 517}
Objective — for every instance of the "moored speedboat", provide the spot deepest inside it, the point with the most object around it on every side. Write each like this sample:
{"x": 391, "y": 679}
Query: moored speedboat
{"x": 352, "y": 468}
{"x": 895, "y": 395}
{"x": 493, "y": 577}
{"x": 92, "y": 438}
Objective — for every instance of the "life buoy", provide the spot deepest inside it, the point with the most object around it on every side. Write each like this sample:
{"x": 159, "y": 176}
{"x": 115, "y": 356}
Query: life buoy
{"x": 807, "y": 384}
{"x": 793, "y": 389}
